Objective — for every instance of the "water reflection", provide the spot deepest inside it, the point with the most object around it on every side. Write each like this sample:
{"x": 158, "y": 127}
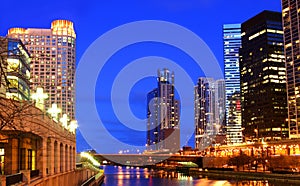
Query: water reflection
{"x": 130, "y": 176}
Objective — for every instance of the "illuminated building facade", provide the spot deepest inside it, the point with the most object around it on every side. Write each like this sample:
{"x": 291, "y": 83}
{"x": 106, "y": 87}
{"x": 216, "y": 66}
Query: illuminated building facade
{"x": 290, "y": 14}
{"x": 263, "y": 78}
{"x": 163, "y": 132}
{"x": 15, "y": 70}
{"x": 234, "y": 127}
{"x": 209, "y": 108}
{"x": 232, "y": 44}
{"x": 53, "y": 62}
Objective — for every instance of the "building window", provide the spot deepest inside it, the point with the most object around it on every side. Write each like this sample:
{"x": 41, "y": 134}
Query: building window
{"x": 29, "y": 159}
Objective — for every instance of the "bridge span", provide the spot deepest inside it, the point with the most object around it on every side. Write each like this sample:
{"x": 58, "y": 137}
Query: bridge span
{"x": 147, "y": 159}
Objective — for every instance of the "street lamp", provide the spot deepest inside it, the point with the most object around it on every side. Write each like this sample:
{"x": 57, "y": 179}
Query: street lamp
{"x": 39, "y": 96}
{"x": 54, "y": 111}
{"x": 73, "y": 126}
{"x": 256, "y": 133}
{"x": 64, "y": 121}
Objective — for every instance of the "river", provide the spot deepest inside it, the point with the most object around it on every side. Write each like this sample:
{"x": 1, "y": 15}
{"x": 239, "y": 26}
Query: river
{"x": 129, "y": 176}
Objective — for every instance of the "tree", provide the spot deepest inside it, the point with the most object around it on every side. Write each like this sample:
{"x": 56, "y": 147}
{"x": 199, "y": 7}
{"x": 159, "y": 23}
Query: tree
{"x": 240, "y": 160}
{"x": 13, "y": 50}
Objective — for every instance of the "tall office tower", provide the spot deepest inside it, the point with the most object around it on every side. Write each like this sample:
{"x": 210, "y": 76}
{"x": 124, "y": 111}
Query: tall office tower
{"x": 209, "y": 108}
{"x": 290, "y": 14}
{"x": 163, "y": 113}
{"x": 232, "y": 44}
{"x": 14, "y": 68}
{"x": 53, "y": 62}
{"x": 263, "y": 78}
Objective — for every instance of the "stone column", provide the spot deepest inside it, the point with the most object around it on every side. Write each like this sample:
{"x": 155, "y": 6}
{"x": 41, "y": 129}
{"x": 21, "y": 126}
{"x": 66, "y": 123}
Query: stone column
{"x": 11, "y": 161}
{"x": 66, "y": 158}
{"x": 75, "y": 157}
{"x": 52, "y": 154}
{"x": 26, "y": 176}
{"x": 42, "y": 156}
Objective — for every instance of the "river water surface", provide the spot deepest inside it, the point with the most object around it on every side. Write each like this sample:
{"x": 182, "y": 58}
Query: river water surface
{"x": 129, "y": 176}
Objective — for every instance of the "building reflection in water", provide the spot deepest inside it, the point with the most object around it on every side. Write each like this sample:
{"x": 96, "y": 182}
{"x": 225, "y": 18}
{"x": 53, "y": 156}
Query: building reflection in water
{"x": 122, "y": 176}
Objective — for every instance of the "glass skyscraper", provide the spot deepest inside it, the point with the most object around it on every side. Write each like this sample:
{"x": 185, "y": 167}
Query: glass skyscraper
{"x": 15, "y": 61}
{"x": 209, "y": 108}
{"x": 232, "y": 44}
{"x": 290, "y": 14}
{"x": 163, "y": 113}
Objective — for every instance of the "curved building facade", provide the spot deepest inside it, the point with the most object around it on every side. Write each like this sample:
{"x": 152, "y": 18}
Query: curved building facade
{"x": 53, "y": 54}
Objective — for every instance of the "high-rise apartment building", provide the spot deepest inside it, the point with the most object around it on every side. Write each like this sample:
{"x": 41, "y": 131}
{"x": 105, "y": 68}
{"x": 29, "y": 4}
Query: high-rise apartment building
{"x": 15, "y": 70}
{"x": 53, "y": 62}
{"x": 209, "y": 108}
{"x": 232, "y": 44}
{"x": 290, "y": 15}
{"x": 263, "y": 78}
{"x": 163, "y": 132}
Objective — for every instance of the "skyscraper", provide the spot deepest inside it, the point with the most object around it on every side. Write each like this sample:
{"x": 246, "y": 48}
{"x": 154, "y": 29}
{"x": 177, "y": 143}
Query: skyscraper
{"x": 163, "y": 115}
{"x": 232, "y": 44}
{"x": 290, "y": 15}
{"x": 209, "y": 108}
{"x": 53, "y": 62}
{"x": 263, "y": 80}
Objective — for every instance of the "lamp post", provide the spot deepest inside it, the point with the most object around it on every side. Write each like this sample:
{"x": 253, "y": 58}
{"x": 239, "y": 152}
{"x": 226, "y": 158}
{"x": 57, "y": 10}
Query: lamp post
{"x": 256, "y": 133}
{"x": 54, "y": 111}
{"x": 73, "y": 126}
{"x": 64, "y": 121}
{"x": 39, "y": 96}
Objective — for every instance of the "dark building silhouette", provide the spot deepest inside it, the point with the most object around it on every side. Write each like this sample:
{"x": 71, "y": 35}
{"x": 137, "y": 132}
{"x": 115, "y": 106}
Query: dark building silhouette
{"x": 263, "y": 77}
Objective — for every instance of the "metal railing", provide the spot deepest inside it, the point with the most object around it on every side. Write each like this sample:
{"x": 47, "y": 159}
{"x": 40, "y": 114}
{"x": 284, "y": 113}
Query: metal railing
{"x": 14, "y": 178}
{"x": 34, "y": 173}
{"x": 89, "y": 181}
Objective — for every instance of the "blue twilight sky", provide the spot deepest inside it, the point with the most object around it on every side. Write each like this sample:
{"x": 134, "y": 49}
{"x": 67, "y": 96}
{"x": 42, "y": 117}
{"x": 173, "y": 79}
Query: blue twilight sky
{"x": 93, "y": 18}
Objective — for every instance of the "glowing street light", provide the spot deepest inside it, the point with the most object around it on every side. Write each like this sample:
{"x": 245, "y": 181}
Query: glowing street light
{"x": 256, "y": 133}
{"x": 73, "y": 126}
{"x": 64, "y": 120}
{"x": 39, "y": 96}
{"x": 54, "y": 111}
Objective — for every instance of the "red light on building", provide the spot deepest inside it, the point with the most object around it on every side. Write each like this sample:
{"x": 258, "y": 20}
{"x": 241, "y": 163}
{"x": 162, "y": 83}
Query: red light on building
{"x": 238, "y": 105}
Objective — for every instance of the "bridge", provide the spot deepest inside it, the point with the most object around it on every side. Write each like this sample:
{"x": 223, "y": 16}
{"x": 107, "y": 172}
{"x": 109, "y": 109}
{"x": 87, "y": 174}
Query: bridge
{"x": 147, "y": 159}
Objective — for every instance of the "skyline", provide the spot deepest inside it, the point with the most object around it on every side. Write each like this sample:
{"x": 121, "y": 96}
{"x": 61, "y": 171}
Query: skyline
{"x": 85, "y": 23}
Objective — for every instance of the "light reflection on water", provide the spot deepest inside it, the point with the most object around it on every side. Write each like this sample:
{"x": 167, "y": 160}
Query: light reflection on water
{"x": 129, "y": 176}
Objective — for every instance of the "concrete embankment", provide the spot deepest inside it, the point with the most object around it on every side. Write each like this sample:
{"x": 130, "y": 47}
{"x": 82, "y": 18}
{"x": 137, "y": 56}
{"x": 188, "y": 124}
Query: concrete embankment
{"x": 286, "y": 178}
{"x": 100, "y": 179}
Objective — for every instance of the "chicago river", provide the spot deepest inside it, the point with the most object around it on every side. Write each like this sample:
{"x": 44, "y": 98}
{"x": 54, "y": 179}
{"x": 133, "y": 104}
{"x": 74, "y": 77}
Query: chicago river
{"x": 131, "y": 176}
